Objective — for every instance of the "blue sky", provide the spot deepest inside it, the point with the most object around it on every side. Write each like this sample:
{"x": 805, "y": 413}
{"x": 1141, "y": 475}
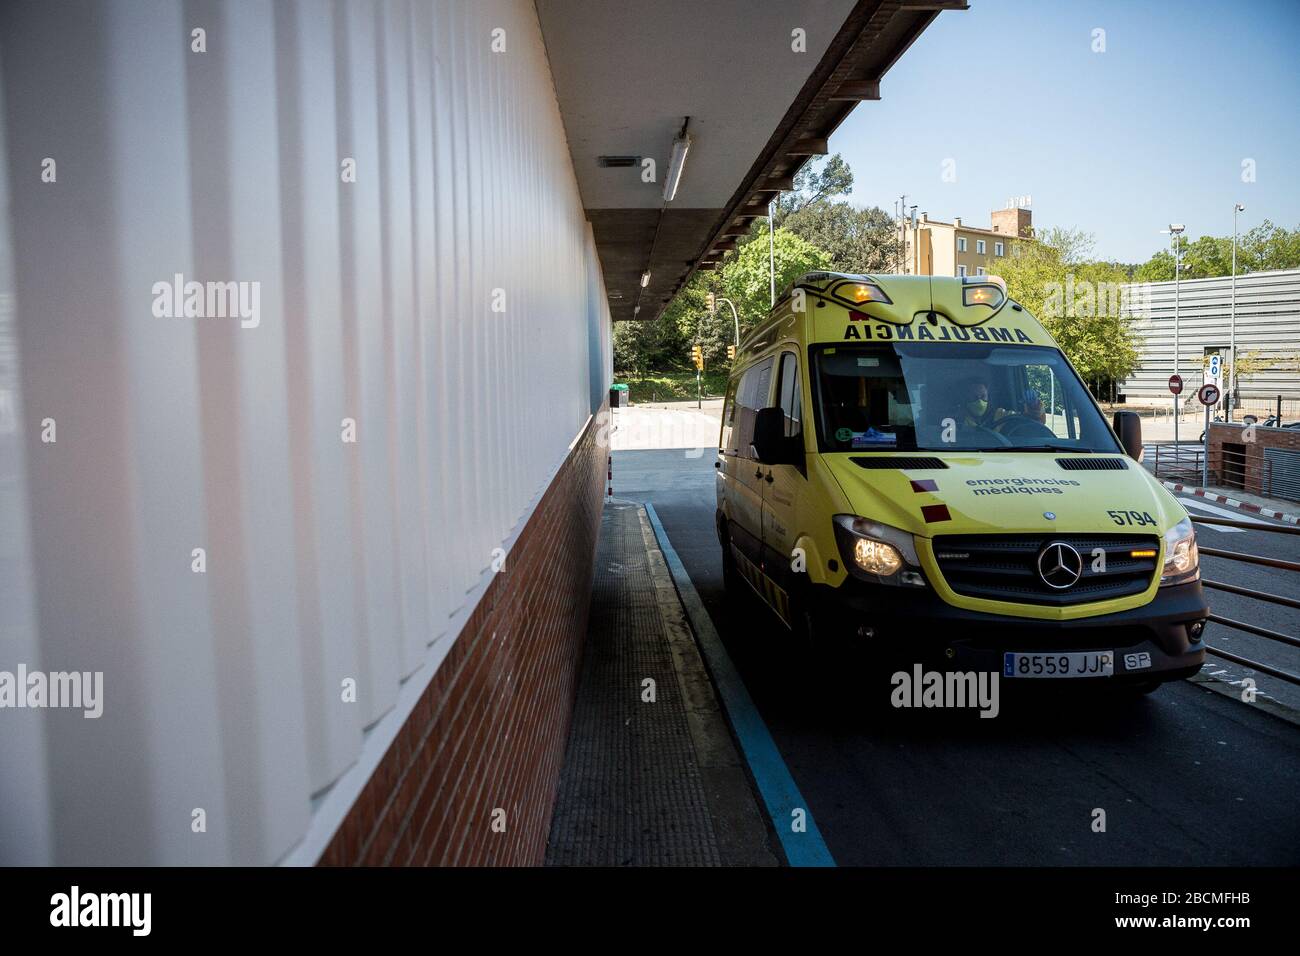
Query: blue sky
{"x": 1118, "y": 144}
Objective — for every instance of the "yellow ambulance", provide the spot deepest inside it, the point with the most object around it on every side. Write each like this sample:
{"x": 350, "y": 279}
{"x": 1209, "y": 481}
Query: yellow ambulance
{"x": 911, "y": 461}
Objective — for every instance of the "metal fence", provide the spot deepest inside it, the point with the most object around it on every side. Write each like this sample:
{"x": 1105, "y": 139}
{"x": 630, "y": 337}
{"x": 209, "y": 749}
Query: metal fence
{"x": 1177, "y": 462}
{"x": 1270, "y": 598}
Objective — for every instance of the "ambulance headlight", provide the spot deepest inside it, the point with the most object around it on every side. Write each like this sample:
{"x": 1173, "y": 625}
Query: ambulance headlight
{"x": 1182, "y": 561}
{"x": 877, "y": 552}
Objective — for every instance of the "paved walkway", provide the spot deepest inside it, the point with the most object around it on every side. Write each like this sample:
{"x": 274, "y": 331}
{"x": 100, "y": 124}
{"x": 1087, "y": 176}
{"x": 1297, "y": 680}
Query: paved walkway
{"x": 676, "y": 425}
{"x": 651, "y": 775}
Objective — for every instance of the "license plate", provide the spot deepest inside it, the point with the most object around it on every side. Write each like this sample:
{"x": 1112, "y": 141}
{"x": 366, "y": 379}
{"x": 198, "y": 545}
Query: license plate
{"x": 1073, "y": 664}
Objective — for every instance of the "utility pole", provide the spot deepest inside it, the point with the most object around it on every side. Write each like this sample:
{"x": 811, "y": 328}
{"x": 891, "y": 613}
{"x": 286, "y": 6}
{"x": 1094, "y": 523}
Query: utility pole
{"x": 771, "y": 244}
{"x": 1232, "y": 346}
{"x": 902, "y": 233}
{"x": 1175, "y": 236}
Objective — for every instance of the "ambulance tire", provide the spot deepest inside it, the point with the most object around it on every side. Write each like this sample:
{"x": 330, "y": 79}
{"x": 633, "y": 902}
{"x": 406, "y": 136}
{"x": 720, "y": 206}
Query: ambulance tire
{"x": 806, "y": 625}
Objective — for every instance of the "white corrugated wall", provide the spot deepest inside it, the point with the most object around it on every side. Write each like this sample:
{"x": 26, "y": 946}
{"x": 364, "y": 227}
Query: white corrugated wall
{"x": 325, "y": 560}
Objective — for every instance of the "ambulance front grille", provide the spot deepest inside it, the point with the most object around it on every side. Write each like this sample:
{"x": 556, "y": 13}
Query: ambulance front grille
{"x": 1004, "y": 567}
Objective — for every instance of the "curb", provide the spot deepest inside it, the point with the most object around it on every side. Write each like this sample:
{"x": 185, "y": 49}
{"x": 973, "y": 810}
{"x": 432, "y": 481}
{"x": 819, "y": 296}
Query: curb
{"x": 1232, "y": 690}
{"x": 1232, "y": 502}
{"x": 773, "y": 780}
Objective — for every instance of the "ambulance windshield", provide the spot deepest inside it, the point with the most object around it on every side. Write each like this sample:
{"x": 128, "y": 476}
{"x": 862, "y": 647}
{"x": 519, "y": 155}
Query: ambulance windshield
{"x": 958, "y": 397}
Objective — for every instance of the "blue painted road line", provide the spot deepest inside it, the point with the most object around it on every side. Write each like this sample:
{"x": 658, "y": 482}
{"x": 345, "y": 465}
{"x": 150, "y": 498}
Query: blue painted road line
{"x": 775, "y": 784}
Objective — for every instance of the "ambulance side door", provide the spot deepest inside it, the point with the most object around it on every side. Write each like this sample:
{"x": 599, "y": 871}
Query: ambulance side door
{"x": 742, "y": 476}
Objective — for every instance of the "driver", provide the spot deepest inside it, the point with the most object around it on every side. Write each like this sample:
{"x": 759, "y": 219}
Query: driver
{"x": 976, "y": 412}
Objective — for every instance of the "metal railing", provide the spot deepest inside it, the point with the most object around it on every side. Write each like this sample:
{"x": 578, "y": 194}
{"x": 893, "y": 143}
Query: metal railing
{"x": 1258, "y": 595}
{"x": 1181, "y": 461}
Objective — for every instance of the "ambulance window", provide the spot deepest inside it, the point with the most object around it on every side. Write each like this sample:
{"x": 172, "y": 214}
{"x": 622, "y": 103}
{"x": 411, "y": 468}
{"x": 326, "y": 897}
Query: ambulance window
{"x": 728, "y": 418}
{"x": 961, "y": 395}
{"x": 790, "y": 399}
{"x": 1060, "y": 412}
{"x": 751, "y": 395}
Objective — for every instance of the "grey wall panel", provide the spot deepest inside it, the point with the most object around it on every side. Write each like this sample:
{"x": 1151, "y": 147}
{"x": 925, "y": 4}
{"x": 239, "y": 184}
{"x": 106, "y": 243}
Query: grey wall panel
{"x": 1267, "y": 323}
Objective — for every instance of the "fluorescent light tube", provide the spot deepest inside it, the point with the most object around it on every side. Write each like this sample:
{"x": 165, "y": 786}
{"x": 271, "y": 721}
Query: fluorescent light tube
{"x": 675, "y": 165}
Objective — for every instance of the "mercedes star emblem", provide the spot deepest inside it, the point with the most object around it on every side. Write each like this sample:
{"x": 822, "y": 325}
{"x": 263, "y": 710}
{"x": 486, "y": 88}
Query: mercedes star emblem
{"x": 1059, "y": 565}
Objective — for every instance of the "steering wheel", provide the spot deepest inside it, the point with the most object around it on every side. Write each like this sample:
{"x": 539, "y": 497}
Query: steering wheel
{"x": 990, "y": 432}
{"x": 1022, "y": 426}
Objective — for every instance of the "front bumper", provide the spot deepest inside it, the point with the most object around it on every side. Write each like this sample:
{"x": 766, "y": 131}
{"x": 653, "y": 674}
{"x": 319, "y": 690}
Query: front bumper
{"x": 919, "y": 626}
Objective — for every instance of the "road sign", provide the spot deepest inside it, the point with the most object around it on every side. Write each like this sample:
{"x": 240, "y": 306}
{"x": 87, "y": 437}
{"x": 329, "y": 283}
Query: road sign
{"x": 1216, "y": 366}
{"x": 1208, "y": 395}
{"x": 1176, "y": 384}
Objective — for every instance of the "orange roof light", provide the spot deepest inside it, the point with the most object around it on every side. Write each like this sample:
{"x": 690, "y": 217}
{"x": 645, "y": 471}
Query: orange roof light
{"x": 860, "y": 292}
{"x": 983, "y": 294}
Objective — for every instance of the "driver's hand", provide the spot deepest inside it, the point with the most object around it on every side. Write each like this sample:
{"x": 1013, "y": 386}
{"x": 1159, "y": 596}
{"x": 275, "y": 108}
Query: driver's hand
{"x": 1035, "y": 411}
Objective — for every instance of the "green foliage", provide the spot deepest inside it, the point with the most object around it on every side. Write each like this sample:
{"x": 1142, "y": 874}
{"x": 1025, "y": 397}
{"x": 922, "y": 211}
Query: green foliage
{"x": 665, "y": 343}
{"x": 642, "y": 346}
{"x": 676, "y": 386}
{"x": 1076, "y": 298}
{"x": 818, "y": 181}
{"x": 857, "y": 240}
{"x": 744, "y": 277}
{"x": 1264, "y": 248}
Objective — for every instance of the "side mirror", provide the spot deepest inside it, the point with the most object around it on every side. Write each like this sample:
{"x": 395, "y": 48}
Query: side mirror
{"x": 770, "y": 442}
{"x": 1128, "y": 426}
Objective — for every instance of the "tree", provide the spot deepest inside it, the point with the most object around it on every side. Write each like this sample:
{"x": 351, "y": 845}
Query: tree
{"x": 651, "y": 345}
{"x": 857, "y": 240}
{"x": 1079, "y": 301}
{"x": 817, "y": 181}
{"x": 745, "y": 274}
{"x": 1266, "y": 247}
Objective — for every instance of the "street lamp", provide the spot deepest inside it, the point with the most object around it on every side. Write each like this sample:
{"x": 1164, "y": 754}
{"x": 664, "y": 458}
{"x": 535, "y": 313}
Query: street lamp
{"x": 1232, "y": 335}
{"x": 1175, "y": 234}
{"x": 771, "y": 244}
{"x": 734, "y": 316}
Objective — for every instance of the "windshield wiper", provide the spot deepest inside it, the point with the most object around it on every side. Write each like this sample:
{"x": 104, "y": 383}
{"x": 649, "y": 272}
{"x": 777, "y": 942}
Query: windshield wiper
{"x": 1048, "y": 446}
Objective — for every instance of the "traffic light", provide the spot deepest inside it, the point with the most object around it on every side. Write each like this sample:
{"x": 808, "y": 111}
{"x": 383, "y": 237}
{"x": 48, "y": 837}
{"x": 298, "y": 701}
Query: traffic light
{"x": 711, "y": 301}
{"x": 697, "y": 356}
{"x": 731, "y": 353}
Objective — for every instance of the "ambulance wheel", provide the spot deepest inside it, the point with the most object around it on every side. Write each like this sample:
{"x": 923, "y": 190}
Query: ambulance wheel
{"x": 805, "y": 624}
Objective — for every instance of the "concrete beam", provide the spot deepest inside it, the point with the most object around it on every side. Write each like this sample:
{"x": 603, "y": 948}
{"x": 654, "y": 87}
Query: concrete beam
{"x": 857, "y": 90}
{"x": 809, "y": 146}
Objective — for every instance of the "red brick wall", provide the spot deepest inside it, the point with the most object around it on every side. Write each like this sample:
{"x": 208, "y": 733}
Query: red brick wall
{"x": 490, "y": 730}
{"x": 1256, "y": 470}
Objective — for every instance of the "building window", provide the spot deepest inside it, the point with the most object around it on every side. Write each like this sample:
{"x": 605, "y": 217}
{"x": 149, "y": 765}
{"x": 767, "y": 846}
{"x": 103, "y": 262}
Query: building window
{"x": 981, "y": 271}
{"x": 961, "y": 270}
{"x": 999, "y": 249}
{"x": 961, "y": 243}
{"x": 979, "y": 246}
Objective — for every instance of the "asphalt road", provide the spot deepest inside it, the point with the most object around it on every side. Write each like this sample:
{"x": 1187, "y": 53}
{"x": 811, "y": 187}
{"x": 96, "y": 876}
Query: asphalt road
{"x": 1184, "y": 777}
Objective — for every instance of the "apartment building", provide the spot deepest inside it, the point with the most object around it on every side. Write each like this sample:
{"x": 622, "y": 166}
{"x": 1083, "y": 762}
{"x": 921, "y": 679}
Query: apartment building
{"x": 953, "y": 248}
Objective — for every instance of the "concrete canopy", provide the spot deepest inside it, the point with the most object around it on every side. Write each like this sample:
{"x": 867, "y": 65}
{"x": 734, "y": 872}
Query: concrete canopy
{"x": 628, "y": 75}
